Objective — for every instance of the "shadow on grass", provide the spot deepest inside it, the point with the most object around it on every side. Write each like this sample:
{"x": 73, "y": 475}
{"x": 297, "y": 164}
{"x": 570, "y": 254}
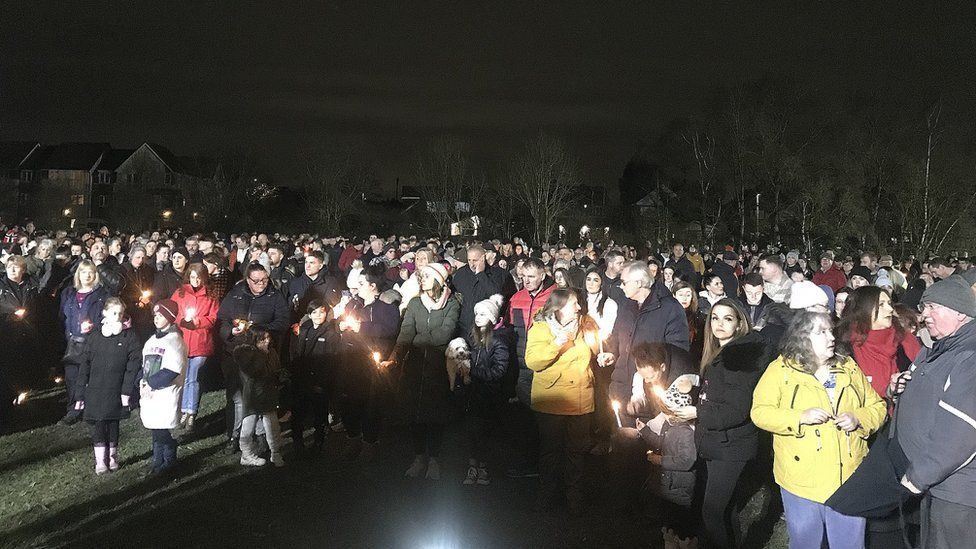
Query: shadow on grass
{"x": 77, "y": 521}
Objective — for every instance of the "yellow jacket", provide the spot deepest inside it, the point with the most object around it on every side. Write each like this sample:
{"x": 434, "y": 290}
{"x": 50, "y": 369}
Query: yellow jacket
{"x": 812, "y": 461}
{"x": 563, "y": 382}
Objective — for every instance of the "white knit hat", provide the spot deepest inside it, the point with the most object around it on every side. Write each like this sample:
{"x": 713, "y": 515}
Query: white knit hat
{"x": 806, "y": 294}
{"x": 438, "y": 271}
{"x": 491, "y": 306}
{"x": 352, "y": 281}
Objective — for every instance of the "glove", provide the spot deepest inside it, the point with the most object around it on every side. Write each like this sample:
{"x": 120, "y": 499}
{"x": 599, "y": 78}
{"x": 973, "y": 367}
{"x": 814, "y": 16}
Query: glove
{"x": 188, "y": 324}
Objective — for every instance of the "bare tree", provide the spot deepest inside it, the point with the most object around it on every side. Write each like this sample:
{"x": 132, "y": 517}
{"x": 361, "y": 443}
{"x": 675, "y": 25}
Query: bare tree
{"x": 338, "y": 180}
{"x": 543, "y": 178}
{"x": 451, "y": 191}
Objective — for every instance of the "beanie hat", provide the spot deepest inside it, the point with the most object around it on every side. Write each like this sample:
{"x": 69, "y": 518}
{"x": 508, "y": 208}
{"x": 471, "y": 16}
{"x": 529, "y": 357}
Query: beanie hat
{"x": 883, "y": 280}
{"x": 969, "y": 276}
{"x": 794, "y": 254}
{"x": 806, "y": 294}
{"x": 436, "y": 270}
{"x": 182, "y": 251}
{"x": 729, "y": 255}
{"x": 168, "y": 309}
{"x": 953, "y": 293}
{"x": 491, "y": 307}
{"x": 862, "y": 272}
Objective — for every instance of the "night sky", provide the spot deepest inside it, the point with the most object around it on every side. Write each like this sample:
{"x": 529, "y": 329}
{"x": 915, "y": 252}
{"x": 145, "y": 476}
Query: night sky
{"x": 281, "y": 80}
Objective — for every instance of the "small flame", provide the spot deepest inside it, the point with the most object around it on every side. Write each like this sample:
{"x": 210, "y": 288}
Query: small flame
{"x": 58, "y": 379}
{"x": 19, "y": 313}
{"x": 190, "y": 313}
{"x": 21, "y": 398}
{"x": 616, "y": 405}
{"x": 376, "y": 357}
{"x": 146, "y": 294}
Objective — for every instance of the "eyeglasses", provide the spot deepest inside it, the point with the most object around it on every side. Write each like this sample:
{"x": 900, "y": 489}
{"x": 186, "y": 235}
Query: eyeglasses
{"x": 258, "y": 281}
{"x": 922, "y": 307}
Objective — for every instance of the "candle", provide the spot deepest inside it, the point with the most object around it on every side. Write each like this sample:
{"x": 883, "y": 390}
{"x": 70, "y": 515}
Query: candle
{"x": 190, "y": 313}
{"x": 21, "y": 398}
{"x": 58, "y": 379}
{"x": 377, "y": 358}
{"x": 616, "y": 412}
{"x": 19, "y": 313}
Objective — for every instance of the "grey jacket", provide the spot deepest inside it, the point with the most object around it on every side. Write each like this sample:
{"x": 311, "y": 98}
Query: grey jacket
{"x": 935, "y": 420}
{"x": 674, "y": 480}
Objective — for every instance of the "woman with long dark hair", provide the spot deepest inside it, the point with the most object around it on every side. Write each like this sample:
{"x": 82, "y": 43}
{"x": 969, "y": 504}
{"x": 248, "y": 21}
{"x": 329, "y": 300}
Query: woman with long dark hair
{"x": 196, "y": 319}
{"x": 685, "y": 294}
{"x": 733, "y": 358}
{"x": 871, "y": 331}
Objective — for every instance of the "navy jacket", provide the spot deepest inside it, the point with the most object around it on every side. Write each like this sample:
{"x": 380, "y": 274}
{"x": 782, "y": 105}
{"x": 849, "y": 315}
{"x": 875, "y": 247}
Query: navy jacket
{"x": 302, "y": 290}
{"x": 659, "y": 319}
{"x": 268, "y": 311}
{"x": 90, "y": 309}
{"x": 479, "y": 287}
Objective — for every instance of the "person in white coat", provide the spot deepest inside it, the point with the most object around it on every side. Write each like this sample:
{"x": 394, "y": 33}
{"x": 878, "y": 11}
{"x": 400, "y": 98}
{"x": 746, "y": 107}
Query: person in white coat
{"x": 164, "y": 360}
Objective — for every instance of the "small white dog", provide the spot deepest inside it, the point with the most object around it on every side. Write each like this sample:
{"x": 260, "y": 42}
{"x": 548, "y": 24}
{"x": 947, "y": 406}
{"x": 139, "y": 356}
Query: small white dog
{"x": 458, "y": 361}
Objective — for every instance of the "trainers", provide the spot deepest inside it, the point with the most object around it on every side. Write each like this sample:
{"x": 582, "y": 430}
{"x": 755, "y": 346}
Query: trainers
{"x": 433, "y": 470}
{"x": 190, "y": 421}
{"x": 183, "y": 419}
{"x": 277, "y": 460}
{"x": 253, "y": 461}
{"x": 417, "y": 468}
{"x": 483, "y": 476}
{"x": 472, "y": 476}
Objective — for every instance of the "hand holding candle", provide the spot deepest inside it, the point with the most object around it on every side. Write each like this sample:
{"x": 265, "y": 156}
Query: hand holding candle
{"x": 144, "y": 300}
{"x": 190, "y": 313}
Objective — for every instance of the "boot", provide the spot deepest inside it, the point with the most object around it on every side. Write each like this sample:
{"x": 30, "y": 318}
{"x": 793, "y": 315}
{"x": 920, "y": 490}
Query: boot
{"x": 233, "y": 446}
{"x": 183, "y": 419}
{"x": 248, "y": 457}
{"x": 101, "y": 464}
{"x": 417, "y": 468}
{"x": 113, "y": 457}
{"x": 190, "y": 421}
{"x": 169, "y": 456}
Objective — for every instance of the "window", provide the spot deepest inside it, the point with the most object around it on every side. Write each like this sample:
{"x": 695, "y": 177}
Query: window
{"x": 105, "y": 178}
{"x": 26, "y": 175}
{"x": 78, "y": 199}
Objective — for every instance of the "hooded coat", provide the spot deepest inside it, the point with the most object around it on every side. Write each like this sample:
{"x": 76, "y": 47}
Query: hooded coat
{"x": 108, "y": 372}
{"x": 424, "y": 335}
{"x": 725, "y": 430}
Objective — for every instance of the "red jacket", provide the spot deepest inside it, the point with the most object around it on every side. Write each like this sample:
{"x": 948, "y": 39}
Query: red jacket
{"x": 834, "y": 278}
{"x": 521, "y": 308}
{"x": 877, "y": 355}
{"x": 200, "y": 340}
{"x": 349, "y": 255}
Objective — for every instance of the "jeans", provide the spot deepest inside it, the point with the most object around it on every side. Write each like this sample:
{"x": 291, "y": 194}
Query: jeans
{"x": 720, "y": 519}
{"x": 164, "y": 449}
{"x": 235, "y": 412}
{"x": 191, "y": 384}
{"x": 808, "y": 520}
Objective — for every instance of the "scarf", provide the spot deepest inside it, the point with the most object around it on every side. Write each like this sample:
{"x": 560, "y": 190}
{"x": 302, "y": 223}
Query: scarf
{"x": 569, "y": 330}
{"x": 432, "y": 305}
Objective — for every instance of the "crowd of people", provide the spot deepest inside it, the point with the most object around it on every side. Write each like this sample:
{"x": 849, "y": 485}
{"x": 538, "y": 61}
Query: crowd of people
{"x": 683, "y": 369}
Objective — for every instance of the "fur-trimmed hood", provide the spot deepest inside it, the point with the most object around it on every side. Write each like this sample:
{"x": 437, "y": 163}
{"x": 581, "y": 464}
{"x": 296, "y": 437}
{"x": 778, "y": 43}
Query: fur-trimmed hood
{"x": 749, "y": 353}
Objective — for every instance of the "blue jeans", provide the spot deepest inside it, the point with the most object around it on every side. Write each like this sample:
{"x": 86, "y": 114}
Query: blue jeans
{"x": 191, "y": 384}
{"x": 806, "y": 521}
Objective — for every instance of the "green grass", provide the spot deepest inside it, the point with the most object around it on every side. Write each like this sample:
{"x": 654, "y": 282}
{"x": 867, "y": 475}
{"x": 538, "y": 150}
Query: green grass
{"x": 50, "y": 497}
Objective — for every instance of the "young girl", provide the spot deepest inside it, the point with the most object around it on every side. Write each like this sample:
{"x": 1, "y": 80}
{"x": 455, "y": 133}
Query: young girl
{"x": 313, "y": 353}
{"x": 489, "y": 346}
{"x": 259, "y": 371}
{"x": 163, "y": 367}
{"x": 105, "y": 380}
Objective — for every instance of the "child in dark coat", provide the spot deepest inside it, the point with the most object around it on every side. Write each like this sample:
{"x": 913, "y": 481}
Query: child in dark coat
{"x": 106, "y": 378}
{"x": 260, "y": 377}
{"x": 483, "y": 398}
{"x": 313, "y": 354}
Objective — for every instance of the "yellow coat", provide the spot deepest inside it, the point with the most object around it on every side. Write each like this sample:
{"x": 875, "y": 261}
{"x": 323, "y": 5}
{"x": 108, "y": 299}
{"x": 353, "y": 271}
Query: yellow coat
{"x": 812, "y": 461}
{"x": 563, "y": 382}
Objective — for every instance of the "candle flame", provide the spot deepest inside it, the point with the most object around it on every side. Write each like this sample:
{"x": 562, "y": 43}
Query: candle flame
{"x": 21, "y": 398}
{"x": 58, "y": 379}
{"x": 146, "y": 294}
{"x": 19, "y": 313}
{"x": 615, "y": 404}
{"x": 376, "y": 357}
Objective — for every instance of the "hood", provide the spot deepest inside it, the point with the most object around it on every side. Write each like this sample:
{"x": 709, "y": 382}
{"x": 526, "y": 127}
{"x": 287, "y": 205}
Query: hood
{"x": 749, "y": 353}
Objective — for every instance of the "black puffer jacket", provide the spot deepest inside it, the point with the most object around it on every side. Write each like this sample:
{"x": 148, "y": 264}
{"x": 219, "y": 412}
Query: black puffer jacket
{"x": 108, "y": 371}
{"x": 259, "y": 374}
{"x": 725, "y": 431}
{"x": 314, "y": 353}
{"x": 484, "y": 395}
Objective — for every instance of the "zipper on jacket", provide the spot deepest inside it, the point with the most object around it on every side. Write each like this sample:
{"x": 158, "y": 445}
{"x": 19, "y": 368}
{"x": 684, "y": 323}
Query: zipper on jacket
{"x": 796, "y": 388}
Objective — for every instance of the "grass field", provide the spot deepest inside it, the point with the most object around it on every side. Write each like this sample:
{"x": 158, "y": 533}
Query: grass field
{"x": 50, "y": 497}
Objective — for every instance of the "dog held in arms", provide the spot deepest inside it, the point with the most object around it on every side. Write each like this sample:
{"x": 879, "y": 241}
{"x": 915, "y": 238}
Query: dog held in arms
{"x": 458, "y": 361}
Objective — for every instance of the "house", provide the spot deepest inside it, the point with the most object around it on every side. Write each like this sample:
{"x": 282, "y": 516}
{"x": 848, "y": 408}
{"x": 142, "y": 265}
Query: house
{"x": 57, "y": 181}
{"x": 155, "y": 184}
{"x": 12, "y": 157}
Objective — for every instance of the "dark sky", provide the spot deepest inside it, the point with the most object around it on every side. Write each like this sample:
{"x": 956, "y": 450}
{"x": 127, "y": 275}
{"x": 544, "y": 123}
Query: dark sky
{"x": 280, "y": 79}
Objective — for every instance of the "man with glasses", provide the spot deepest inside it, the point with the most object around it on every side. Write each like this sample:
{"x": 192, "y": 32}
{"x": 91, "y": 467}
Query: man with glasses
{"x": 251, "y": 303}
{"x": 648, "y": 314}
{"x": 935, "y": 418}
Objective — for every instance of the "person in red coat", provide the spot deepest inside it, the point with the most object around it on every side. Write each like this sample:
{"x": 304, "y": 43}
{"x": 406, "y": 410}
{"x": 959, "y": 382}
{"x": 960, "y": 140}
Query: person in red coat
{"x": 875, "y": 335}
{"x": 196, "y": 319}
{"x": 829, "y": 274}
